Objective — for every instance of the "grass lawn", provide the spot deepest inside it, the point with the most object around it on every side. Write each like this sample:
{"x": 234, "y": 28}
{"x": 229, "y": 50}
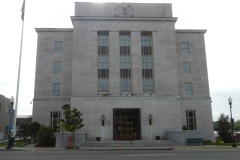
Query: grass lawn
{"x": 17, "y": 143}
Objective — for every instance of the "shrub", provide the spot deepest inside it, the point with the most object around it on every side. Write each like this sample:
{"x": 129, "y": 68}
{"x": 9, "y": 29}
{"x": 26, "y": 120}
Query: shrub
{"x": 45, "y": 136}
{"x": 207, "y": 142}
{"x": 184, "y": 127}
{"x": 221, "y": 142}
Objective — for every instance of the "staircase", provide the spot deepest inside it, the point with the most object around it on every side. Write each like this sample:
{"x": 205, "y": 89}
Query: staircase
{"x": 136, "y": 144}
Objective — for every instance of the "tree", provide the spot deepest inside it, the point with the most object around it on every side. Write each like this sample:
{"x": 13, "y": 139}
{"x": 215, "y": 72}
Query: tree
{"x": 45, "y": 136}
{"x": 236, "y": 125}
{"x": 224, "y": 128}
{"x": 33, "y": 129}
{"x": 23, "y": 131}
{"x": 73, "y": 120}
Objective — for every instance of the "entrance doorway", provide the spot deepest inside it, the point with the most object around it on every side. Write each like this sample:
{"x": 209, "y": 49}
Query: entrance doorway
{"x": 126, "y": 124}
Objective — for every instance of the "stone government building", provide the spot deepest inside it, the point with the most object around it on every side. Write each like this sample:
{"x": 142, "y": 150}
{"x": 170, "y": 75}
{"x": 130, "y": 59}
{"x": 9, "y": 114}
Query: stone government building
{"x": 127, "y": 65}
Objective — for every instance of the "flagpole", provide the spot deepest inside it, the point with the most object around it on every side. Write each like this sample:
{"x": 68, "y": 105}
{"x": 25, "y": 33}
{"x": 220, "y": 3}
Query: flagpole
{"x": 19, "y": 72}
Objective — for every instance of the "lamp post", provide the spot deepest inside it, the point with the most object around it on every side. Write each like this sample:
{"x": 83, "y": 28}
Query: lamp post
{"x": 10, "y": 122}
{"x": 103, "y": 119}
{"x": 230, "y": 104}
{"x": 150, "y": 119}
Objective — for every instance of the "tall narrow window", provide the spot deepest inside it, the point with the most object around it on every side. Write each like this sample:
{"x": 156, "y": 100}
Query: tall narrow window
{"x": 103, "y": 62}
{"x": 57, "y": 67}
{"x": 55, "y": 121}
{"x": 188, "y": 88}
{"x": 57, "y": 46}
{"x": 187, "y": 67}
{"x": 56, "y": 89}
{"x": 125, "y": 61}
{"x": 185, "y": 47}
{"x": 191, "y": 120}
{"x": 147, "y": 62}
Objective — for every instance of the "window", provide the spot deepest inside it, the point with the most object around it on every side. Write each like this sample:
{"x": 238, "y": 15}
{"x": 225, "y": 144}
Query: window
{"x": 58, "y": 47}
{"x": 147, "y": 62}
{"x": 57, "y": 67}
{"x": 8, "y": 110}
{"x": 188, "y": 88}
{"x": 191, "y": 120}
{"x": 56, "y": 88}
{"x": 125, "y": 61}
{"x": 186, "y": 67}
{"x": 185, "y": 47}
{"x": 55, "y": 121}
{"x": 103, "y": 62}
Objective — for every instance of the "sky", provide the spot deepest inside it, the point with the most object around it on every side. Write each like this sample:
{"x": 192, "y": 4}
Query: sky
{"x": 219, "y": 18}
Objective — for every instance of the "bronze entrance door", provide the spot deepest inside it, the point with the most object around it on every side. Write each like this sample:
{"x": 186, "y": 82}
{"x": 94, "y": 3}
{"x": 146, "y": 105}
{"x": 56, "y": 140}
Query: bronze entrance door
{"x": 126, "y": 124}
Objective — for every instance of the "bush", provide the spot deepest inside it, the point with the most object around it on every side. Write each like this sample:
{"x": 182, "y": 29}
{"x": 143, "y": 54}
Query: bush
{"x": 221, "y": 142}
{"x": 207, "y": 142}
{"x": 184, "y": 127}
{"x": 45, "y": 136}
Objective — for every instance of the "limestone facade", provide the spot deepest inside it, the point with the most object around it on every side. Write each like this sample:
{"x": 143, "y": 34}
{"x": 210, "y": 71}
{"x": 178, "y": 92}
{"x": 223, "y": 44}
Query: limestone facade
{"x": 179, "y": 72}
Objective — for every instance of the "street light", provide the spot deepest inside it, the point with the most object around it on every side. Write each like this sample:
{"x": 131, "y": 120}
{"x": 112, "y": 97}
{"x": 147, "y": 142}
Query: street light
{"x": 103, "y": 119}
{"x": 230, "y": 104}
{"x": 10, "y": 122}
{"x": 150, "y": 119}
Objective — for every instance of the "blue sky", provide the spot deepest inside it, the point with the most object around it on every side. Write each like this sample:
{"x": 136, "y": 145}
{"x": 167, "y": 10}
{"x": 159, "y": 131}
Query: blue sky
{"x": 220, "y": 18}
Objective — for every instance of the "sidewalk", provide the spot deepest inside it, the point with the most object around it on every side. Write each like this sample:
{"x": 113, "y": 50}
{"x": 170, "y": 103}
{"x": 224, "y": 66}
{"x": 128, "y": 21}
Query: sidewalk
{"x": 30, "y": 147}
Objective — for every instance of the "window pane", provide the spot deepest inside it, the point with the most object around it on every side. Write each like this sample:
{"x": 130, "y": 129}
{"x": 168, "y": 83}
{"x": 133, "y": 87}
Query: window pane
{"x": 147, "y": 58}
{"x": 103, "y": 61}
{"x": 147, "y": 50}
{"x": 185, "y": 47}
{"x": 188, "y": 88}
{"x": 56, "y": 89}
{"x": 147, "y": 62}
{"x": 186, "y": 67}
{"x": 191, "y": 120}
{"x": 124, "y": 40}
{"x": 103, "y": 85}
{"x": 102, "y": 50}
{"x": 146, "y": 39}
{"x": 55, "y": 121}
{"x": 125, "y": 50}
{"x": 57, "y": 67}
{"x": 124, "y": 58}
{"x": 102, "y": 40}
{"x": 102, "y": 73}
{"x": 103, "y": 58}
{"x": 125, "y": 84}
{"x": 147, "y": 73}
{"x": 125, "y": 73}
{"x": 58, "y": 46}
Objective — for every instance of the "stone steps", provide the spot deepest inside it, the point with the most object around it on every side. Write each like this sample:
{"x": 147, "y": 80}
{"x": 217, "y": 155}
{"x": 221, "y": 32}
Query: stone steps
{"x": 135, "y": 143}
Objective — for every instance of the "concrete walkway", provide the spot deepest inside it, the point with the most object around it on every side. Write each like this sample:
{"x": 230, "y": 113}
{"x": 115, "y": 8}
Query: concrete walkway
{"x": 31, "y": 147}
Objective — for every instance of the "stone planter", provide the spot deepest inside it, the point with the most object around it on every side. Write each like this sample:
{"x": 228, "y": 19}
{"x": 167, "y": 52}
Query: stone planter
{"x": 98, "y": 138}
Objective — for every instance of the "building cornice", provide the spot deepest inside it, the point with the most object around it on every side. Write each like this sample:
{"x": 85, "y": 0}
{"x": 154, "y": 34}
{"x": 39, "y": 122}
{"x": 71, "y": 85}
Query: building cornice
{"x": 54, "y": 30}
{"x": 174, "y": 19}
{"x": 190, "y": 30}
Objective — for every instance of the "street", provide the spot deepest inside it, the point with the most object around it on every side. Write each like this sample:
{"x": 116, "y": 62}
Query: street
{"x": 229, "y": 154}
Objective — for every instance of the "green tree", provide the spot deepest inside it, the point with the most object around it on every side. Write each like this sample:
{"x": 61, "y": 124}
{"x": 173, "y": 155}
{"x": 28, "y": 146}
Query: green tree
{"x": 45, "y": 136}
{"x": 236, "y": 125}
{"x": 23, "y": 131}
{"x": 224, "y": 128}
{"x": 215, "y": 124}
{"x": 73, "y": 120}
{"x": 33, "y": 129}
